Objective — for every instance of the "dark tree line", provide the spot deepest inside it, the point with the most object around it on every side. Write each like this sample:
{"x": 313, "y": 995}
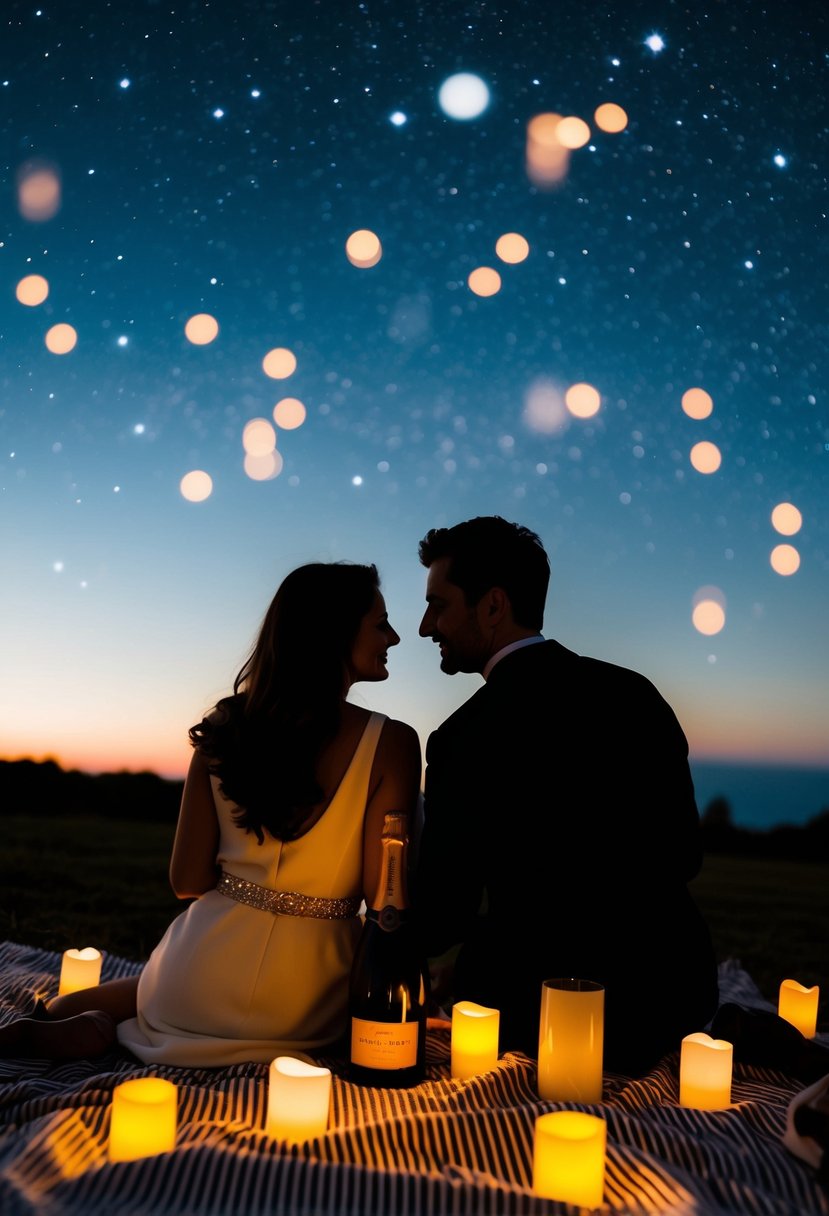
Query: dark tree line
{"x": 35, "y": 788}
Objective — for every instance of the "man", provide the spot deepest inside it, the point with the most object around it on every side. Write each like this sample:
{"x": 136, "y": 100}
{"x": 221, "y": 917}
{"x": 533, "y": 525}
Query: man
{"x": 561, "y": 828}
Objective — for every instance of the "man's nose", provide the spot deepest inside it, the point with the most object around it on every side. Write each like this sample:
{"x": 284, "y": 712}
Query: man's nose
{"x": 425, "y": 629}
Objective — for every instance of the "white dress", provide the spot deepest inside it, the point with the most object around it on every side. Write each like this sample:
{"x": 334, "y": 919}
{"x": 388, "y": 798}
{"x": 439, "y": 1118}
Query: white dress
{"x": 230, "y": 983}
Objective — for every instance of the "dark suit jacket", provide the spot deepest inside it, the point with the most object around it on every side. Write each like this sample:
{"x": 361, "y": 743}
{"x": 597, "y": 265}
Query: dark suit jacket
{"x": 560, "y": 832}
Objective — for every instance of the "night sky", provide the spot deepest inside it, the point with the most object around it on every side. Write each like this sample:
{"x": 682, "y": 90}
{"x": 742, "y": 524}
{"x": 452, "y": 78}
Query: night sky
{"x": 164, "y": 161}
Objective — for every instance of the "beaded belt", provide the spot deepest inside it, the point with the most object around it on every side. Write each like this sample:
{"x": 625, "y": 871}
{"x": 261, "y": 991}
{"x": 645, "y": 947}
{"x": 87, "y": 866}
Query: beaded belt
{"x": 285, "y": 903}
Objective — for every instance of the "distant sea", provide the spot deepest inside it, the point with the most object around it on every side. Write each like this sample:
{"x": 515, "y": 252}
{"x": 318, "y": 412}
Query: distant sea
{"x": 762, "y": 796}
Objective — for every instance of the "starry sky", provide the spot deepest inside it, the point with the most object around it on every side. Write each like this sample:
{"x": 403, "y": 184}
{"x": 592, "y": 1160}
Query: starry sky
{"x": 165, "y": 162}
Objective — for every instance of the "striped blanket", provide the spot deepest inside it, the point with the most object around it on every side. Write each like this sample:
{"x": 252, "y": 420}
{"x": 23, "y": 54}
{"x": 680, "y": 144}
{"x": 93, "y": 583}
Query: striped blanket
{"x": 447, "y": 1146}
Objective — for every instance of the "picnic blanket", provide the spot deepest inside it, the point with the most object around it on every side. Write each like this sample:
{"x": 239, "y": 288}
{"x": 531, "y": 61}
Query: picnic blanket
{"x": 446, "y": 1146}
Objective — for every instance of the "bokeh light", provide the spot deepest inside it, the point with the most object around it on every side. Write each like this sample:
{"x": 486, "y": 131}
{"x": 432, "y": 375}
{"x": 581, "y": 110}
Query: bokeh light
{"x": 289, "y": 413}
{"x": 258, "y": 437}
{"x": 610, "y": 117}
{"x": 582, "y": 400}
{"x": 38, "y": 191}
{"x": 708, "y": 610}
{"x": 708, "y": 617}
{"x": 264, "y": 467}
{"x": 697, "y": 403}
{"x": 484, "y": 281}
{"x": 32, "y": 290}
{"x": 196, "y": 485}
{"x": 786, "y": 519}
{"x": 463, "y": 96}
{"x": 512, "y": 248}
{"x": 544, "y": 408}
{"x": 705, "y": 457}
{"x": 784, "y": 559}
{"x": 201, "y": 329}
{"x": 572, "y": 132}
{"x": 363, "y": 249}
{"x": 547, "y": 160}
{"x": 61, "y": 338}
{"x": 279, "y": 363}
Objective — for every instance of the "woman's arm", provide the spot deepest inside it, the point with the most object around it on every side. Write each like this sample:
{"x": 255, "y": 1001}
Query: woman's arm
{"x": 395, "y": 786}
{"x": 193, "y": 868}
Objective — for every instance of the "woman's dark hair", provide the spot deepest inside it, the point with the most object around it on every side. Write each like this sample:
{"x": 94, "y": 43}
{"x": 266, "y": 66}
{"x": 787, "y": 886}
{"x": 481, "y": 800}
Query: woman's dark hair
{"x": 264, "y": 741}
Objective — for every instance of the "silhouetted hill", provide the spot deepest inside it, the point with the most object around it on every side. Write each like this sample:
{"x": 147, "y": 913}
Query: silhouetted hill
{"x": 42, "y": 787}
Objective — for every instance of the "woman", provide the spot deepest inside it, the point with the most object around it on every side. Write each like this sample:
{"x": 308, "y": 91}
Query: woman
{"x": 277, "y": 843}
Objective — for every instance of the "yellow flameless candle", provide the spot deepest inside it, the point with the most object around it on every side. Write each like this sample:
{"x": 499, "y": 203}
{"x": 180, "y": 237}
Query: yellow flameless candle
{"x": 474, "y": 1039}
{"x": 705, "y": 1066}
{"x": 143, "y": 1119}
{"x": 798, "y": 1005}
{"x": 569, "y": 1158}
{"x": 79, "y": 969}
{"x": 299, "y": 1096}
{"x": 571, "y": 1041}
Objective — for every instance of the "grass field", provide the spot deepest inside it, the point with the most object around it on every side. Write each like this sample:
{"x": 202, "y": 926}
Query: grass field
{"x": 99, "y": 882}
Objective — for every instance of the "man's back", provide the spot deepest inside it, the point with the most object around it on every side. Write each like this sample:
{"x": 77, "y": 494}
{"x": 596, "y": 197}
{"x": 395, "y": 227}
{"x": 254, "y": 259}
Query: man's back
{"x": 560, "y": 796}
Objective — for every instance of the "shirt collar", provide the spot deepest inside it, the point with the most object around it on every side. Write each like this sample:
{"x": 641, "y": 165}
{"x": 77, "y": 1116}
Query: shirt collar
{"x": 500, "y": 654}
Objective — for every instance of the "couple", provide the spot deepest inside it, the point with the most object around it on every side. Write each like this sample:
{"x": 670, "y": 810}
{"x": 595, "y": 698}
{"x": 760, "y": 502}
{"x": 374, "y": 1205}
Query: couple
{"x": 560, "y": 830}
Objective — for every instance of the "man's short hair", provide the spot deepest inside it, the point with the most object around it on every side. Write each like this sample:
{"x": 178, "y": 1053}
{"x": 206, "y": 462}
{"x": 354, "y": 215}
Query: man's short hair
{"x": 488, "y": 551}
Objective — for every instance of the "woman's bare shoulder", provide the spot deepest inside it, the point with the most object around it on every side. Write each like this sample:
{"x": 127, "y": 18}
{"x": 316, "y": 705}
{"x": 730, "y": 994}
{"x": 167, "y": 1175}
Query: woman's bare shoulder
{"x": 399, "y": 737}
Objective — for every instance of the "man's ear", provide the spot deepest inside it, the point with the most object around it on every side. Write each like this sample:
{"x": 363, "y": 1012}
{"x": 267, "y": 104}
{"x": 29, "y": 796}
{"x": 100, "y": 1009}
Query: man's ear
{"x": 495, "y": 606}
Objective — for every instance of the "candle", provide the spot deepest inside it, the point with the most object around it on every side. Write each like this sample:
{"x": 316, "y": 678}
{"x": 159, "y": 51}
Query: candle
{"x": 79, "y": 969}
{"x": 798, "y": 1005}
{"x": 705, "y": 1072}
{"x": 569, "y": 1158}
{"x": 143, "y": 1119}
{"x": 299, "y": 1096}
{"x": 474, "y": 1039}
{"x": 571, "y": 1041}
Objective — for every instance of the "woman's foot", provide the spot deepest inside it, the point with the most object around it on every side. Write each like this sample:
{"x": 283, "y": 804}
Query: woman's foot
{"x": 81, "y": 1037}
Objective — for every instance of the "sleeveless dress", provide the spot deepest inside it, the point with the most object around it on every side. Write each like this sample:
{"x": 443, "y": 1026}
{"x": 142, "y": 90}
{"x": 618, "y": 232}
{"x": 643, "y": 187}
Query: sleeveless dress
{"x": 231, "y": 983}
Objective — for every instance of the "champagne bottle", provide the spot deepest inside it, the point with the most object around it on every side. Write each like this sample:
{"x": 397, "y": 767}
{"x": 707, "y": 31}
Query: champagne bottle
{"x": 388, "y": 989}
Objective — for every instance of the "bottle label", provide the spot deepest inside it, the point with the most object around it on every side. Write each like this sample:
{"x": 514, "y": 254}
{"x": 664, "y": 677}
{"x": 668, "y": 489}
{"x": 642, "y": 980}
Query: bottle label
{"x": 386, "y": 1045}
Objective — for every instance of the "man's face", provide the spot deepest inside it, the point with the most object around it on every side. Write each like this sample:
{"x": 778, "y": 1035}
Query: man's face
{"x": 449, "y": 621}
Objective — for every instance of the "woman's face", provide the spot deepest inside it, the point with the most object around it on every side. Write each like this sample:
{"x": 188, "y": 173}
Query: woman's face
{"x": 369, "y": 652}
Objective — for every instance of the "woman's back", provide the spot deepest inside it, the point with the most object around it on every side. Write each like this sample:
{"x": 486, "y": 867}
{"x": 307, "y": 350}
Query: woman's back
{"x": 234, "y": 981}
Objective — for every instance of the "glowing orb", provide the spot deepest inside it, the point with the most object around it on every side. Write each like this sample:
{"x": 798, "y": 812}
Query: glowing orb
{"x": 572, "y": 132}
{"x": 61, "y": 338}
{"x": 463, "y": 96}
{"x": 786, "y": 519}
{"x": 610, "y": 117}
{"x": 289, "y": 413}
{"x": 708, "y": 617}
{"x": 705, "y": 457}
{"x": 201, "y": 329}
{"x": 544, "y": 409}
{"x": 196, "y": 486}
{"x": 264, "y": 467}
{"x": 582, "y": 400}
{"x": 512, "y": 248}
{"x": 784, "y": 559}
{"x": 697, "y": 403}
{"x": 38, "y": 192}
{"x": 32, "y": 290}
{"x": 363, "y": 249}
{"x": 547, "y": 159}
{"x": 258, "y": 437}
{"x": 279, "y": 363}
{"x": 484, "y": 281}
